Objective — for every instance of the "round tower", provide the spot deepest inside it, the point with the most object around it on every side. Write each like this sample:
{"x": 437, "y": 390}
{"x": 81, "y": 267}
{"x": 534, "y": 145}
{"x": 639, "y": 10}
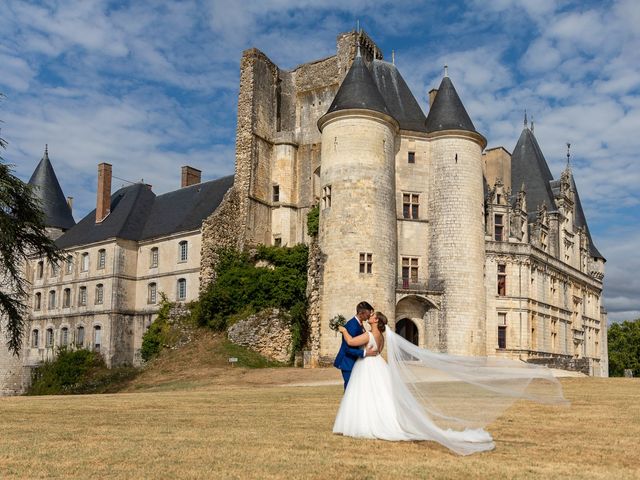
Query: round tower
{"x": 456, "y": 200}
{"x": 357, "y": 236}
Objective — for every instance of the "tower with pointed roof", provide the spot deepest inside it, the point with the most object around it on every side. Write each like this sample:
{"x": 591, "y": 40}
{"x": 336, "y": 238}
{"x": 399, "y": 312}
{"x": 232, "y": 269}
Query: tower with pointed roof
{"x": 456, "y": 247}
{"x": 357, "y": 209}
{"x": 56, "y": 209}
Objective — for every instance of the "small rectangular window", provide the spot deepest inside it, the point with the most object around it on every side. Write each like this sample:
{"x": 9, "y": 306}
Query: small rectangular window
{"x": 84, "y": 264}
{"x": 82, "y": 296}
{"x": 276, "y": 193}
{"x": 154, "y": 257}
{"x": 410, "y": 205}
{"x": 411, "y": 157}
{"x": 326, "y": 196}
{"x": 498, "y": 228}
{"x": 366, "y": 262}
{"x": 183, "y": 249}
{"x": 502, "y": 280}
{"x": 502, "y": 336}
{"x": 102, "y": 257}
{"x": 409, "y": 271}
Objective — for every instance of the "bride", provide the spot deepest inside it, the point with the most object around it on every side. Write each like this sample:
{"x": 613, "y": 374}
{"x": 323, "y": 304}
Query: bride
{"x": 423, "y": 395}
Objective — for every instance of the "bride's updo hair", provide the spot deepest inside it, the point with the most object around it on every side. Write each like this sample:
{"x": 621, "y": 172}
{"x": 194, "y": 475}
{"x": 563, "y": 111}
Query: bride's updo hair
{"x": 382, "y": 321}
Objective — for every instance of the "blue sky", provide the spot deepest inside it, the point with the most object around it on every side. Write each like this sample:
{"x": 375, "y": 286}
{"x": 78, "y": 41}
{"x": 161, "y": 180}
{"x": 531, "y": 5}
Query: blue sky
{"x": 151, "y": 86}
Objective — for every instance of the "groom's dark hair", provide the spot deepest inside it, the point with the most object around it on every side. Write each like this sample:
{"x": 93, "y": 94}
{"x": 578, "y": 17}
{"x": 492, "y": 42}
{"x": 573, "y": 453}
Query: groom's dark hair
{"x": 363, "y": 306}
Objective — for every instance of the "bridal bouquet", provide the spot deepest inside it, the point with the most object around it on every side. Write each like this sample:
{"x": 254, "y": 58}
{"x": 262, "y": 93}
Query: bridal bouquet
{"x": 337, "y": 321}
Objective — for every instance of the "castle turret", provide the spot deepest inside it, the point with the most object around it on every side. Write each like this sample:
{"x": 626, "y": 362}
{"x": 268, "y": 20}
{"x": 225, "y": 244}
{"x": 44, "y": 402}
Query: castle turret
{"x": 357, "y": 208}
{"x": 456, "y": 250}
{"x": 56, "y": 209}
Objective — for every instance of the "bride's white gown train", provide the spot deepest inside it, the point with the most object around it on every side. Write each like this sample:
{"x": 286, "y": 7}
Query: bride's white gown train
{"x": 400, "y": 400}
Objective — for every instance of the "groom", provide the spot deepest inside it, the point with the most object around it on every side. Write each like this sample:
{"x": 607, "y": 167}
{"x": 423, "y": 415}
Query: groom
{"x": 347, "y": 355}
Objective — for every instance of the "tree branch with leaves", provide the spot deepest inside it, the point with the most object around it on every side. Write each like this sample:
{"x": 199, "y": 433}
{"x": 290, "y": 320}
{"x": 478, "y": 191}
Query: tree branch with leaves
{"x": 22, "y": 235}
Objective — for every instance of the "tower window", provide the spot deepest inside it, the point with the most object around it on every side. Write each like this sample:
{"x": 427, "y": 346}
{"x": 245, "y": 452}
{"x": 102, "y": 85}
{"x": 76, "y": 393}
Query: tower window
{"x": 502, "y": 280}
{"x": 35, "y": 339}
{"x": 366, "y": 262}
{"x": 411, "y": 157}
{"x": 498, "y": 228}
{"x": 37, "y": 303}
{"x": 40, "y": 269}
{"x": 276, "y": 193}
{"x": 326, "y": 196}
{"x": 410, "y": 205}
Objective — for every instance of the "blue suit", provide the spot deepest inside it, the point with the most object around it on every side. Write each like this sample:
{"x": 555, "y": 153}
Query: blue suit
{"x": 347, "y": 356}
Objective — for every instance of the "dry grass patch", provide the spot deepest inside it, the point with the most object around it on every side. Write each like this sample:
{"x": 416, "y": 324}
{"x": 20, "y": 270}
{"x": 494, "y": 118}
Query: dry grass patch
{"x": 285, "y": 432}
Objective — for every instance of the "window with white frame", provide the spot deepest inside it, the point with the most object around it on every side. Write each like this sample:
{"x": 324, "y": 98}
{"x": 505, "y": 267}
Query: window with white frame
{"x": 52, "y": 299}
{"x": 80, "y": 336}
{"x": 99, "y": 294}
{"x": 183, "y": 251}
{"x": 84, "y": 262}
{"x": 102, "y": 258}
{"x": 64, "y": 336}
{"x": 182, "y": 289}
{"x": 153, "y": 293}
{"x": 153, "y": 258}
{"x": 97, "y": 338}
{"x": 66, "y": 298}
{"x": 82, "y": 296}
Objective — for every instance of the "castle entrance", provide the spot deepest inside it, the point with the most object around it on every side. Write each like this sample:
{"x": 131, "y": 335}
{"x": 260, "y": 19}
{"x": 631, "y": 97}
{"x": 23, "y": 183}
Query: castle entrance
{"x": 408, "y": 330}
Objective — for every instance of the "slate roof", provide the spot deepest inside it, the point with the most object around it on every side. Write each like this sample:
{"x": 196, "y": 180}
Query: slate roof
{"x": 529, "y": 166}
{"x": 581, "y": 221}
{"x": 447, "y": 111}
{"x": 53, "y": 202}
{"x": 358, "y": 90}
{"x": 138, "y": 214}
{"x": 397, "y": 96}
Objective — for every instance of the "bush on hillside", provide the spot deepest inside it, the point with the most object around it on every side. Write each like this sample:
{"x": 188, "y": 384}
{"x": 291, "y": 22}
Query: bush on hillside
{"x": 241, "y": 286}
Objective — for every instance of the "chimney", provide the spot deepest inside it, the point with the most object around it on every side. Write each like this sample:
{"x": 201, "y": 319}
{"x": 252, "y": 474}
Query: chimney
{"x": 70, "y": 203}
{"x": 190, "y": 176}
{"x": 103, "y": 206}
{"x": 432, "y": 96}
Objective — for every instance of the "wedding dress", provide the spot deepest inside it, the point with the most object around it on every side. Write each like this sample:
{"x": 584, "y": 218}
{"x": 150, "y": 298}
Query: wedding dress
{"x": 423, "y": 395}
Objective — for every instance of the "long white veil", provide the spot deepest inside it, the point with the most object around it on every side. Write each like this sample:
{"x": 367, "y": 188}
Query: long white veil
{"x": 450, "y": 399}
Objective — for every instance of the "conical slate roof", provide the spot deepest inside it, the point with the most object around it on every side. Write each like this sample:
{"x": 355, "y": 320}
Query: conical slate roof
{"x": 54, "y": 205}
{"x": 397, "y": 96}
{"x": 358, "y": 90}
{"x": 581, "y": 221}
{"x": 447, "y": 111}
{"x": 529, "y": 166}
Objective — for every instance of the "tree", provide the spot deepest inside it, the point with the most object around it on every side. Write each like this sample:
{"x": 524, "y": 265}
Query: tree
{"x": 22, "y": 234}
{"x": 624, "y": 348}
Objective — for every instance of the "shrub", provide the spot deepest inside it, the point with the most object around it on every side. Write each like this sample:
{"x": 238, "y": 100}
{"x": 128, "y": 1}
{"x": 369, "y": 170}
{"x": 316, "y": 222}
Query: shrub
{"x": 158, "y": 333}
{"x": 241, "y": 287}
{"x": 77, "y": 371}
{"x": 313, "y": 221}
{"x": 624, "y": 348}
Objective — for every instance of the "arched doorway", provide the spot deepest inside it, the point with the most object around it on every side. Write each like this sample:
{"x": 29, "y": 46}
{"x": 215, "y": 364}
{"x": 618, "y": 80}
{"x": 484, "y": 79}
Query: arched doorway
{"x": 407, "y": 329}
